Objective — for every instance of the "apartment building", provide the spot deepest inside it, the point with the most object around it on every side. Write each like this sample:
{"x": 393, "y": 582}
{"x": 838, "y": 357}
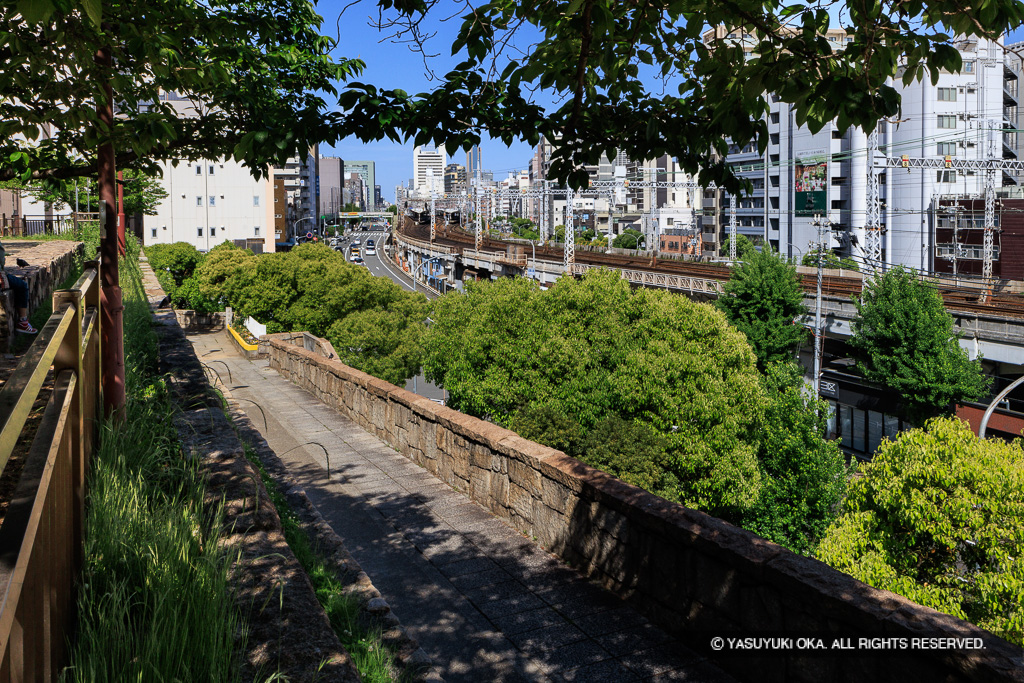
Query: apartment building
{"x": 804, "y": 177}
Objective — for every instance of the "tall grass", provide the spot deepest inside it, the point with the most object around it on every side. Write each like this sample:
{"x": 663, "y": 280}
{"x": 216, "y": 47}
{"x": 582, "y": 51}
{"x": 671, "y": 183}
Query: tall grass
{"x": 154, "y": 603}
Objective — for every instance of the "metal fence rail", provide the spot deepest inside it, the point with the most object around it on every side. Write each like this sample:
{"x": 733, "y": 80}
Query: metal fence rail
{"x": 41, "y": 536}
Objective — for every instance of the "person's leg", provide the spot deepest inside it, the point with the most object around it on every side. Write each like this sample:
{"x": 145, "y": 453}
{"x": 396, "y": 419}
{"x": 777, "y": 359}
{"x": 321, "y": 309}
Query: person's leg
{"x": 20, "y": 290}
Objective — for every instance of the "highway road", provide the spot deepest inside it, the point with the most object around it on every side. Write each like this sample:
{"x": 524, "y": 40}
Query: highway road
{"x": 379, "y": 266}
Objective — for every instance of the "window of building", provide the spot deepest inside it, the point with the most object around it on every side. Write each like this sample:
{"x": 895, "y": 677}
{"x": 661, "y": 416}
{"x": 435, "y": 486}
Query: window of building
{"x": 213, "y": 232}
{"x": 153, "y": 232}
{"x": 255, "y": 200}
{"x": 773, "y": 138}
{"x": 211, "y": 169}
{"x": 256, "y": 230}
{"x": 199, "y": 232}
{"x": 947, "y": 121}
{"x": 838, "y": 180}
{"x": 774, "y": 117}
{"x": 199, "y": 170}
{"x": 947, "y": 94}
{"x": 213, "y": 200}
{"x": 947, "y": 149}
{"x": 837, "y": 134}
{"x": 199, "y": 201}
{"x": 968, "y": 67}
{"x": 946, "y": 177}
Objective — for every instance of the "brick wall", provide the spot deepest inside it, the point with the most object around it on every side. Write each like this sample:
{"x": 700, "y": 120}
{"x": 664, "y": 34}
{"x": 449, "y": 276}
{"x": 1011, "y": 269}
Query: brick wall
{"x": 691, "y": 573}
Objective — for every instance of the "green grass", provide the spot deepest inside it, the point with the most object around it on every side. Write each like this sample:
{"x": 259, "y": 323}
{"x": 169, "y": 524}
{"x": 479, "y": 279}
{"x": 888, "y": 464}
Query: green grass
{"x": 375, "y": 662}
{"x": 155, "y": 603}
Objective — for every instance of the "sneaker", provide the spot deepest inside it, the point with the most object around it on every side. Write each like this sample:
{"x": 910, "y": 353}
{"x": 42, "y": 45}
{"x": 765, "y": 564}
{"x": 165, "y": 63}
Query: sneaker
{"x": 25, "y": 327}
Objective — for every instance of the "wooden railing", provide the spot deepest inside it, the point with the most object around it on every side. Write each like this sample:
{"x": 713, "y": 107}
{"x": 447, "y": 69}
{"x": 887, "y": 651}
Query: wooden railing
{"x": 41, "y": 535}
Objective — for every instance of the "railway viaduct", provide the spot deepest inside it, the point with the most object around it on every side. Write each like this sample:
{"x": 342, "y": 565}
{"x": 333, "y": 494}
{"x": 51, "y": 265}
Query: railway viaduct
{"x": 993, "y": 329}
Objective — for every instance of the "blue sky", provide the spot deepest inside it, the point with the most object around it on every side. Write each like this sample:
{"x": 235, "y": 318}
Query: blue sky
{"x": 392, "y": 65}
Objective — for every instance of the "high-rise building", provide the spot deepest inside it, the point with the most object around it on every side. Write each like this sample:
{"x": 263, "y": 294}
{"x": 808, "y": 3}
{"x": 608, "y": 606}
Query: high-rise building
{"x": 424, "y": 158}
{"x": 332, "y": 174}
{"x": 356, "y": 189}
{"x": 367, "y": 171}
{"x": 474, "y": 161}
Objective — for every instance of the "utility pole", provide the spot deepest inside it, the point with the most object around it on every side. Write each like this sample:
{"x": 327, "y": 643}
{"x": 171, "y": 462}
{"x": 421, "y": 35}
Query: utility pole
{"x": 873, "y": 224}
{"x": 990, "y": 215}
{"x": 820, "y": 224}
{"x": 570, "y": 229}
{"x": 433, "y": 198}
{"x": 479, "y": 214}
{"x": 732, "y": 228}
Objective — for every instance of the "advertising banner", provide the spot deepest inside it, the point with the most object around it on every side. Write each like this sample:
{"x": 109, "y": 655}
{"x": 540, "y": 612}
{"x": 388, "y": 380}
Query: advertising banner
{"x": 811, "y": 183}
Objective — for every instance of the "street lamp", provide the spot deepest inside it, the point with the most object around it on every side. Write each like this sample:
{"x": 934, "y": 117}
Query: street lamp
{"x": 422, "y": 266}
{"x": 307, "y": 218}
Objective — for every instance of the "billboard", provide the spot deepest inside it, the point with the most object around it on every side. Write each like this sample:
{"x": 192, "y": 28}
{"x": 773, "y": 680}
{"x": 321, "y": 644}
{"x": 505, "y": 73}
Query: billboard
{"x": 811, "y": 183}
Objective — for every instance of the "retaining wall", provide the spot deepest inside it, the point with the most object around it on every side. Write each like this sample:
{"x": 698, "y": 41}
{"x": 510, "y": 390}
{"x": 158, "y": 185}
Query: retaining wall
{"x": 694, "y": 574}
{"x": 50, "y": 264}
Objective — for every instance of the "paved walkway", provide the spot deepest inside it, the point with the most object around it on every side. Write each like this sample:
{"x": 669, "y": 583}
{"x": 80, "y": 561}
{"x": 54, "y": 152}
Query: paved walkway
{"x": 483, "y": 601}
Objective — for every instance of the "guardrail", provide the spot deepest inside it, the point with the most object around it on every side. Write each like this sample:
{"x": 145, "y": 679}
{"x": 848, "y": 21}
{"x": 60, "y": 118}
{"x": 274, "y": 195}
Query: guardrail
{"x": 41, "y": 535}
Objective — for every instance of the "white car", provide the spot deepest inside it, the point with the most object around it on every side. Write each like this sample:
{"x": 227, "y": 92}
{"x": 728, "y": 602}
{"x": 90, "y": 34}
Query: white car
{"x": 371, "y": 251}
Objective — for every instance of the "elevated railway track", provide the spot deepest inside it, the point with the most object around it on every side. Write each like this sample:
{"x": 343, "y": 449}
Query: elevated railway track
{"x": 963, "y": 300}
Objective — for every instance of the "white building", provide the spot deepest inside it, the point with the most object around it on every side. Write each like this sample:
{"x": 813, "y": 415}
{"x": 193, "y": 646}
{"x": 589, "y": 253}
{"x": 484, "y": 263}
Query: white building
{"x": 209, "y": 202}
{"x": 802, "y": 175}
{"x": 424, "y": 158}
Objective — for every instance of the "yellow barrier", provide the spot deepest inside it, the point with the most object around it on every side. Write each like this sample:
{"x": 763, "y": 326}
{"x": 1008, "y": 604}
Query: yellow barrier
{"x": 241, "y": 342}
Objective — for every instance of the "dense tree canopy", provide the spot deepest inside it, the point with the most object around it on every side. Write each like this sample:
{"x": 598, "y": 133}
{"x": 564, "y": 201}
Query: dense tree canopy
{"x": 255, "y": 72}
{"x": 804, "y": 474}
{"x": 373, "y": 324}
{"x": 938, "y": 516}
{"x": 629, "y": 239}
{"x": 649, "y": 386}
{"x": 763, "y": 298}
{"x": 594, "y": 76}
{"x": 904, "y": 339}
{"x": 595, "y": 348}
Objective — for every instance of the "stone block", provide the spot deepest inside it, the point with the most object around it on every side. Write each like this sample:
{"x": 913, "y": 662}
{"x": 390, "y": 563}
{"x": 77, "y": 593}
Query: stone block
{"x": 526, "y": 476}
{"x": 459, "y": 458}
{"x": 557, "y": 496}
{"x": 481, "y": 456}
{"x": 521, "y": 501}
{"x": 480, "y": 485}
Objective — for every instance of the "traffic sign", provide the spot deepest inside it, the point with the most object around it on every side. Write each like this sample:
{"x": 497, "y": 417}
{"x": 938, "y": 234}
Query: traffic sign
{"x": 309, "y": 235}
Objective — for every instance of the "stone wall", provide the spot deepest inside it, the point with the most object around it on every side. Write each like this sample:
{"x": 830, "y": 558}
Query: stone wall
{"x": 694, "y": 574}
{"x": 50, "y": 263}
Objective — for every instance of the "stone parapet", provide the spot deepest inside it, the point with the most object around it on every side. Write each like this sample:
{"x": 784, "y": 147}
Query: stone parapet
{"x": 689, "y": 572}
{"x": 50, "y": 263}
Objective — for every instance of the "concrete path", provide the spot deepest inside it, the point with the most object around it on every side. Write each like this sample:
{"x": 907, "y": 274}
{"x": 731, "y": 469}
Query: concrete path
{"x": 483, "y": 601}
